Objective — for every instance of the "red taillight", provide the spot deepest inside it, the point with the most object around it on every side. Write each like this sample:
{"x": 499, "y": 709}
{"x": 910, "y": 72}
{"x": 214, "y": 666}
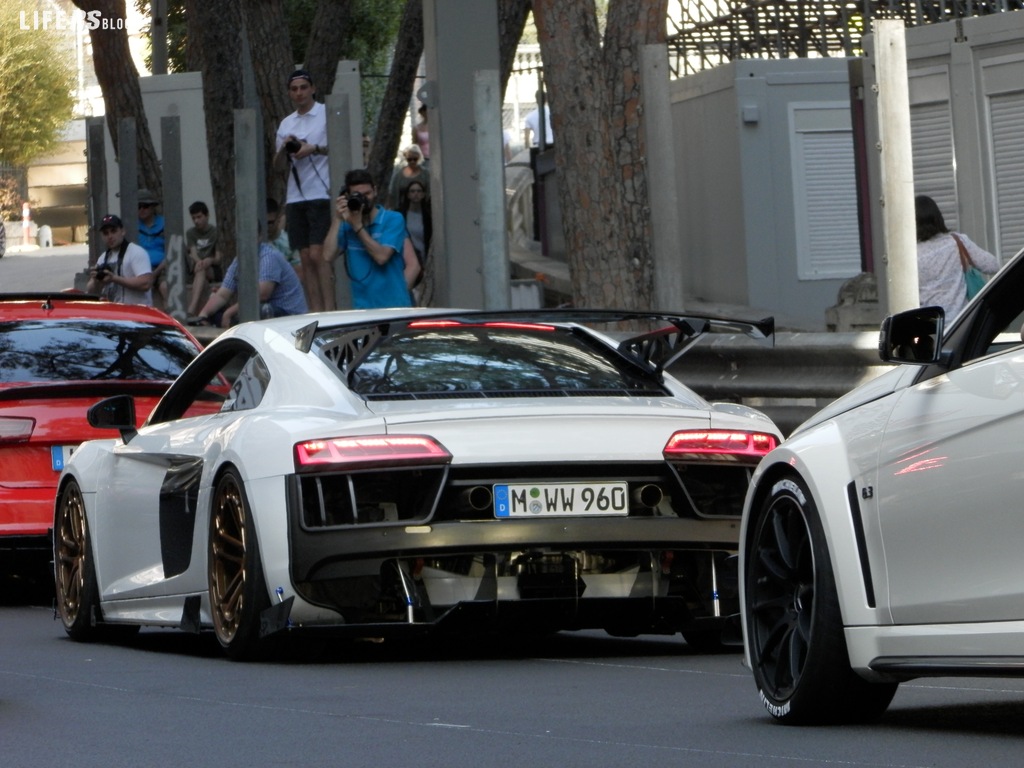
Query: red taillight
{"x": 369, "y": 451}
{"x": 722, "y": 445}
{"x": 16, "y": 429}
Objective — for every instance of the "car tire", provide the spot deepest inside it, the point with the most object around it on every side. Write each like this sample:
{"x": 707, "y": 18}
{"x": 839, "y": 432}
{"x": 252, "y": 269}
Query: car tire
{"x": 237, "y": 589}
{"x": 77, "y": 594}
{"x": 794, "y": 625}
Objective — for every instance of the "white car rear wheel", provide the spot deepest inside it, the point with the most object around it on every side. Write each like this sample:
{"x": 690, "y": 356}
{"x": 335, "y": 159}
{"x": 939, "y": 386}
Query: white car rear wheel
{"x": 238, "y": 592}
{"x": 794, "y": 625}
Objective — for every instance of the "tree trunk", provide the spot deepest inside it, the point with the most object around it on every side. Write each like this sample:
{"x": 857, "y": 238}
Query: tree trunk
{"x": 119, "y": 79}
{"x": 600, "y": 157}
{"x": 511, "y": 21}
{"x": 328, "y": 38}
{"x": 217, "y": 29}
{"x": 272, "y": 63}
{"x": 395, "y": 106}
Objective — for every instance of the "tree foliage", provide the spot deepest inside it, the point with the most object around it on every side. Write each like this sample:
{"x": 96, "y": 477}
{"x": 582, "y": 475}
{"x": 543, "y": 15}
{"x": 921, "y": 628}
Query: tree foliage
{"x": 37, "y": 81}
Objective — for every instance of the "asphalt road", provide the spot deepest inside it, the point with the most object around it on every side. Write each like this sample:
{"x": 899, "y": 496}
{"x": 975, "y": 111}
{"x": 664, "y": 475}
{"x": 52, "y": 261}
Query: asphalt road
{"x": 569, "y": 700}
{"x": 52, "y": 269}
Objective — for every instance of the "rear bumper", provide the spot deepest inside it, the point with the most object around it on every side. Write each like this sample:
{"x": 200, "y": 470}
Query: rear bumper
{"x": 25, "y": 512}
{"x": 626, "y": 575}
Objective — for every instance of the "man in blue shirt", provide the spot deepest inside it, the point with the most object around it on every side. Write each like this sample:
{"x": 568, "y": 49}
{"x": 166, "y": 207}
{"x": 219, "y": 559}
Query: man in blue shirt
{"x": 280, "y": 290}
{"x": 372, "y": 244}
{"x": 153, "y": 240}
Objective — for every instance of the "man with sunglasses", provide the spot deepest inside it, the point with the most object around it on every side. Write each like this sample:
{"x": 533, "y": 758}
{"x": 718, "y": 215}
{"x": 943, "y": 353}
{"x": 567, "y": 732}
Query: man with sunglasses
{"x": 152, "y": 238}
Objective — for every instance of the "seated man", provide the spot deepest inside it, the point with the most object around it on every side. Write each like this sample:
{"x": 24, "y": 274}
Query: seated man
{"x": 280, "y": 290}
{"x": 204, "y": 260}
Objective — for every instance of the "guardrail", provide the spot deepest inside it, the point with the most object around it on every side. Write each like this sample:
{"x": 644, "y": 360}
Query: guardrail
{"x": 790, "y": 381}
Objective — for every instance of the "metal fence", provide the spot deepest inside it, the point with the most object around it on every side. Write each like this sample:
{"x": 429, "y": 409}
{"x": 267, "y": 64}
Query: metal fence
{"x": 13, "y": 191}
{"x": 706, "y": 33}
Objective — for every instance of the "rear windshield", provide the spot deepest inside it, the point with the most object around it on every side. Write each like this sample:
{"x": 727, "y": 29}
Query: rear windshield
{"x": 91, "y": 350}
{"x": 491, "y": 360}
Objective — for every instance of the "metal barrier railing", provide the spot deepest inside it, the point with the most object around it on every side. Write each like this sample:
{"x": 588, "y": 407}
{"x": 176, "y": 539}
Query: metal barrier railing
{"x": 790, "y": 381}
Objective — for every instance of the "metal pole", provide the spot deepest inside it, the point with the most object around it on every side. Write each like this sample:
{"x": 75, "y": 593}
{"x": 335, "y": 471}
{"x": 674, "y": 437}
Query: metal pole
{"x": 158, "y": 35}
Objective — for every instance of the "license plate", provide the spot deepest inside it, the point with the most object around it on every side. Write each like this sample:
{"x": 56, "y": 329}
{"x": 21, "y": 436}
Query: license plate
{"x": 60, "y": 455}
{"x": 561, "y": 499}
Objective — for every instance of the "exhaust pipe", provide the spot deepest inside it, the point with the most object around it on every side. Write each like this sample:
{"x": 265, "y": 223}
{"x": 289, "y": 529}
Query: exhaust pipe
{"x": 477, "y": 499}
{"x": 649, "y": 495}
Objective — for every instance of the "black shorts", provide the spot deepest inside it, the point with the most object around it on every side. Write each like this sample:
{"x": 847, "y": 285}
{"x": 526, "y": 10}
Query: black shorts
{"x": 307, "y": 222}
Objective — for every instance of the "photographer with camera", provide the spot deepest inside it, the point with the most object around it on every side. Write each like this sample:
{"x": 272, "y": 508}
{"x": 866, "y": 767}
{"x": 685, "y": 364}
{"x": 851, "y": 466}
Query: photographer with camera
{"x": 379, "y": 258}
{"x": 123, "y": 273}
{"x": 302, "y": 154}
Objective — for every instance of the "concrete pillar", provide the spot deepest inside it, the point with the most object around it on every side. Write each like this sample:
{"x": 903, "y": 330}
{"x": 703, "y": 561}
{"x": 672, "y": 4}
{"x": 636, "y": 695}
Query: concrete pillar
{"x": 248, "y": 147}
{"x": 897, "y": 165}
{"x": 453, "y": 58}
{"x": 173, "y": 210}
{"x": 660, "y": 162}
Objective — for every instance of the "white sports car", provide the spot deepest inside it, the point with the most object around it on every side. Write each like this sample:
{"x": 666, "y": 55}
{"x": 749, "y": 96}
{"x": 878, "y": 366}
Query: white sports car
{"x": 386, "y": 471}
{"x": 882, "y": 540}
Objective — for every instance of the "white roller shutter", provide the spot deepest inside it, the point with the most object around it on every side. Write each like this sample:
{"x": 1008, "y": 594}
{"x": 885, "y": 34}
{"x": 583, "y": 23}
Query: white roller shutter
{"x": 824, "y": 192}
{"x": 1006, "y": 118}
{"x": 931, "y": 129}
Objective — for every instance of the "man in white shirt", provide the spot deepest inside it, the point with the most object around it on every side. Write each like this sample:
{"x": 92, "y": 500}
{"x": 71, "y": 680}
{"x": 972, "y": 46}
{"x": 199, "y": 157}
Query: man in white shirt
{"x": 302, "y": 152}
{"x": 532, "y": 128}
{"x": 123, "y": 273}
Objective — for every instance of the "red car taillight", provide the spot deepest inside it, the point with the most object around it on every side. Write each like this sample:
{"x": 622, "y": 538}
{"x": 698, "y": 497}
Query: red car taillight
{"x": 346, "y": 453}
{"x": 16, "y": 429}
{"x": 719, "y": 445}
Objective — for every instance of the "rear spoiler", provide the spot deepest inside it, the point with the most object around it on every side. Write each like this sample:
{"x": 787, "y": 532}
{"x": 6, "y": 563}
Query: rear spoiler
{"x": 659, "y": 349}
{"x": 652, "y": 350}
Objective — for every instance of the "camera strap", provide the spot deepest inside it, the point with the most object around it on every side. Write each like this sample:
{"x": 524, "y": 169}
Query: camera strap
{"x": 120, "y": 257}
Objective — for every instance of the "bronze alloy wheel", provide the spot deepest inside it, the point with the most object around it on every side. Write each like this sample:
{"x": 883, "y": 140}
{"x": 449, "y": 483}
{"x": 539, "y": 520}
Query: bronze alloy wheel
{"x": 238, "y": 592}
{"x": 70, "y": 558}
{"x": 228, "y": 561}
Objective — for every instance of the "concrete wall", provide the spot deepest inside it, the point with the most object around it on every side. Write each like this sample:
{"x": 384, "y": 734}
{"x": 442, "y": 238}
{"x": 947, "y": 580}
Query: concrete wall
{"x": 178, "y": 95}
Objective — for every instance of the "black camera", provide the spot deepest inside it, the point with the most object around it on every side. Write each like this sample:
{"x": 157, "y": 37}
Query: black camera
{"x": 102, "y": 270}
{"x": 357, "y": 201}
{"x": 292, "y": 146}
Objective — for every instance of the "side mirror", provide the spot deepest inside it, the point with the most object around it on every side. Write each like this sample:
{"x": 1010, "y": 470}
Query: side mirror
{"x": 914, "y": 336}
{"x": 117, "y": 412}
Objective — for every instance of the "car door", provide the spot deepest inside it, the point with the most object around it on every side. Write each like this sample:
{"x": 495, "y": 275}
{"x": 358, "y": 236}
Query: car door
{"x": 950, "y": 486}
{"x": 149, "y": 513}
{"x": 951, "y": 496}
{"x": 146, "y": 508}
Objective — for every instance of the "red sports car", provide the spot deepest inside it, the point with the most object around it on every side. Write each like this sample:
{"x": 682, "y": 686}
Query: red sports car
{"x": 60, "y": 354}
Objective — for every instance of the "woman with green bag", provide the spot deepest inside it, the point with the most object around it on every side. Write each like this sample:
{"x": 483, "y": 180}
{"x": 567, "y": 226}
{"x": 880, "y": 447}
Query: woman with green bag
{"x": 948, "y": 263}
